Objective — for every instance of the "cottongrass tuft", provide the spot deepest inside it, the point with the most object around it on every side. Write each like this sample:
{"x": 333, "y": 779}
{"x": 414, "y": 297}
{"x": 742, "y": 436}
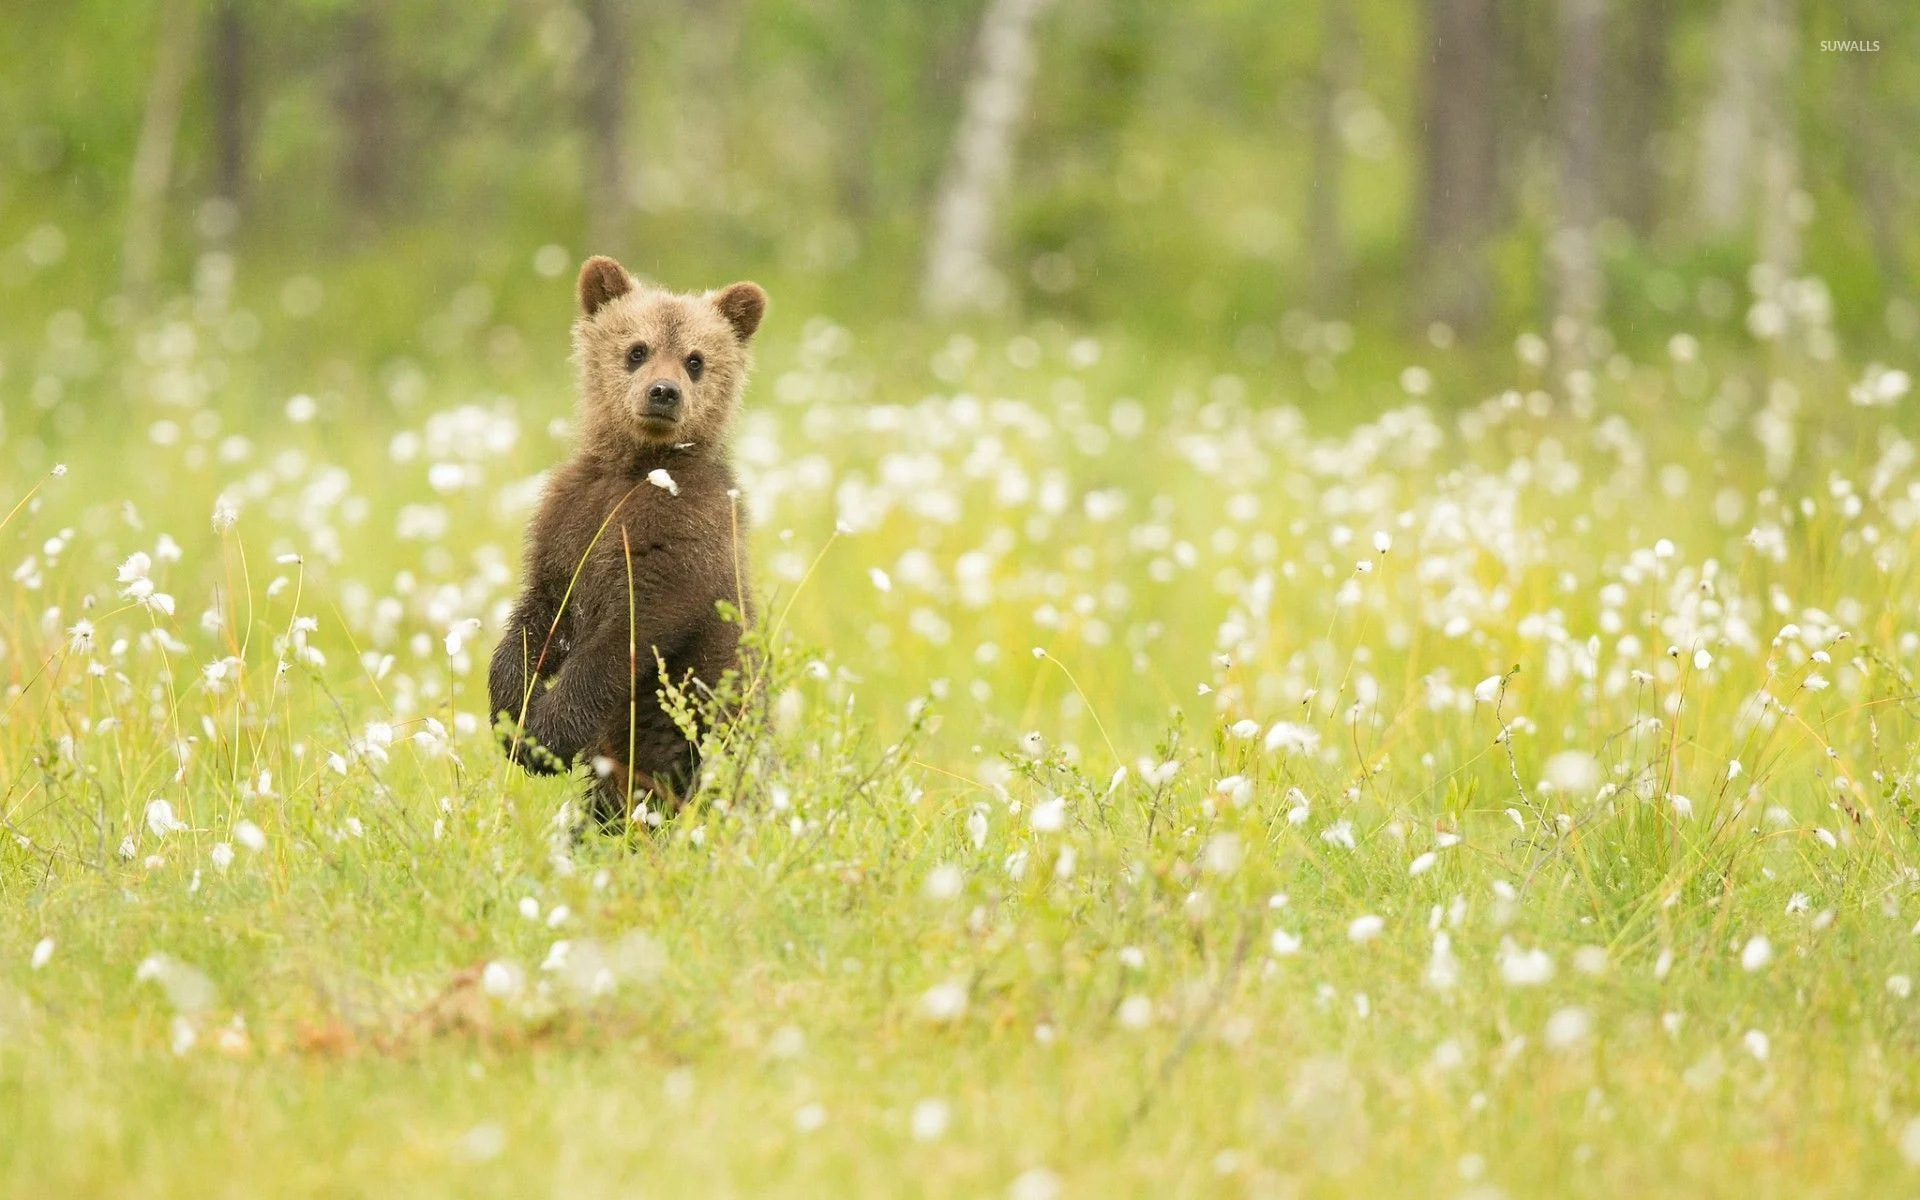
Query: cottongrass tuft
{"x": 929, "y": 1120}
{"x": 1365, "y": 929}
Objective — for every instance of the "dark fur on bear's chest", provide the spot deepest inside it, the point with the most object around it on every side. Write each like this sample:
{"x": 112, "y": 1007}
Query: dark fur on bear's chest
{"x": 609, "y": 526}
{"x": 621, "y": 569}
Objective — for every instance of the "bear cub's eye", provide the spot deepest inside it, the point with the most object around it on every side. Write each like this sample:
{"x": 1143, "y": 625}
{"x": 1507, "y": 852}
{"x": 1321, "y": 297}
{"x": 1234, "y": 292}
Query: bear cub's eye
{"x": 636, "y": 355}
{"x": 694, "y": 365}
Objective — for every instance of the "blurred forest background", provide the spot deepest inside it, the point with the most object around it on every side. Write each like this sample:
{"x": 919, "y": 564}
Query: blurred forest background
{"x": 359, "y": 193}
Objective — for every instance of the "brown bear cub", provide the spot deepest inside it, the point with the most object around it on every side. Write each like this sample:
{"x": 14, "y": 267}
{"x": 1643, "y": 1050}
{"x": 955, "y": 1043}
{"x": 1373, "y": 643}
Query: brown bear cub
{"x": 635, "y": 544}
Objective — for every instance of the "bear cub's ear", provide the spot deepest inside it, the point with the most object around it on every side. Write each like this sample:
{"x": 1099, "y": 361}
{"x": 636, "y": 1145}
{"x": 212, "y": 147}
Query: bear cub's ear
{"x": 742, "y": 305}
{"x": 601, "y": 280}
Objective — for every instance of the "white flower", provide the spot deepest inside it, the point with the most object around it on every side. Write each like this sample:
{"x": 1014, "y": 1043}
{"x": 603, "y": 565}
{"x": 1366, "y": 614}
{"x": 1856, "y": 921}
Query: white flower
{"x": 1574, "y": 772}
{"x": 459, "y": 632}
{"x": 929, "y": 1120}
{"x": 881, "y": 579}
{"x": 1568, "y": 1028}
{"x": 1910, "y": 1141}
{"x": 1136, "y": 1012}
{"x": 1382, "y": 541}
{"x": 501, "y": 978}
{"x": 80, "y": 637}
{"x": 944, "y": 882}
{"x": 226, "y": 514}
{"x": 42, "y": 952}
{"x": 1365, "y": 929}
{"x": 1524, "y": 968}
{"x": 1286, "y": 735}
{"x": 1757, "y": 953}
{"x": 944, "y": 1002}
{"x": 1035, "y": 1183}
{"x": 249, "y": 835}
{"x": 1487, "y": 689}
{"x": 1049, "y": 816}
{"x": 377, "y": 739}
{"x": 659, "y": 478}
{"x": 1222, "y": 854}
{"x": 134, "y": 571}
{"x": 221, "y": 856}
{"x": 1443, "y": 969}
{"x": 1284, "y": 943}
{"x": 1245, "y": 729}
{"x": 1702, "y": 660}
{"x": 1422, "y": 864}
{"x": 160, "y": 818}
{"x": 1757, "y": 1044}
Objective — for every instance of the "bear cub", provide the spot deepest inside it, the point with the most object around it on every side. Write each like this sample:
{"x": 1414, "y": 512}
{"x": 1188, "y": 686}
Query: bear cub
{"x": 637, "y": 540}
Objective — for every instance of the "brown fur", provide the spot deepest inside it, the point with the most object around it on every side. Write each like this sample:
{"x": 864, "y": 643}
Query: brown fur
{"x": 575, "y": 673}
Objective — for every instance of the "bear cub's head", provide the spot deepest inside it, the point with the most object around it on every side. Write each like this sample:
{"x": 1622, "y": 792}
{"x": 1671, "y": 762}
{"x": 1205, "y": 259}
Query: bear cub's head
{"x": 658, "y": 368}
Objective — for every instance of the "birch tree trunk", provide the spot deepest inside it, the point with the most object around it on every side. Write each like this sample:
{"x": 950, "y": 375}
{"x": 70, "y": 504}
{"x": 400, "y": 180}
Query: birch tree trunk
{"x": 960, "y": 275}
{"x": 153, "y": 153}
{"x": 1729, "y": 133}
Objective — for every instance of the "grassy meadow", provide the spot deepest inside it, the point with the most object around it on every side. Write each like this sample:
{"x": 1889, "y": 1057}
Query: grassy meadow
{"x": 1167, "y": 786}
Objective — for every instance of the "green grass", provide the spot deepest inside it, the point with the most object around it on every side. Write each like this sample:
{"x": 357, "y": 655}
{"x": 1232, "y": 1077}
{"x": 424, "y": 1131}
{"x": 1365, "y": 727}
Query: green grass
{"x": 925, "y": 887}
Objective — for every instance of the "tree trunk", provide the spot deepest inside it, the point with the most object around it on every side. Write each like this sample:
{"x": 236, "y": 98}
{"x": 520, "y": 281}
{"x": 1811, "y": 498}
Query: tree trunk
{"x": 607, "y": 70}
{"x": 366, "y": 106}
{"x": 960, "y": 276}
{"x": 1641, "y": 93}
{"x": 153, "y": 154}
{"x": 1729, "y": 131}
{"x": 1460, "y": 187}
{"x": 1325, "y": 241}
{"x": 229, "y": 100}
{"x": 1579, "y": 285}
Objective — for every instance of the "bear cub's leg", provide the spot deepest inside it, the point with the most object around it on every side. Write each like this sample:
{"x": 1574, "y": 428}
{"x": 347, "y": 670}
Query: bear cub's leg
{"x": 660, "y": 777}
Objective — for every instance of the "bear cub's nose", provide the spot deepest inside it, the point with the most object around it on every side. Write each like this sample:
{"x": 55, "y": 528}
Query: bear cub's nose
{"x": 663, "y": 398}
